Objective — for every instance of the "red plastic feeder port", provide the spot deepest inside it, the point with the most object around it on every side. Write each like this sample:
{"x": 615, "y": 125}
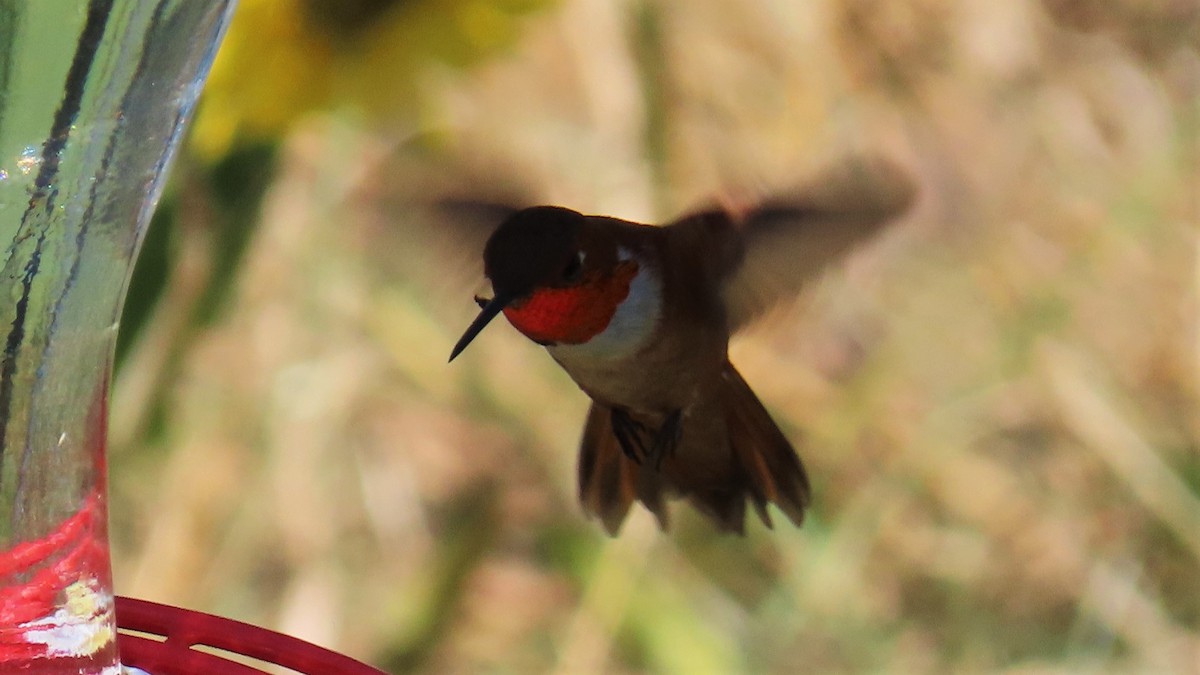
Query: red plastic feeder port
{"x": 164, "y": 640}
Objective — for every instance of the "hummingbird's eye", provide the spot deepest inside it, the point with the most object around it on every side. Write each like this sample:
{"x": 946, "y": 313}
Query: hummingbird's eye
{"x": 574, "y": 268}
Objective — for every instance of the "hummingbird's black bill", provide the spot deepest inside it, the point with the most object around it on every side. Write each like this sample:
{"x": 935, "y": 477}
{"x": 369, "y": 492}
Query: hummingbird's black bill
{"x": 490, "y": 309}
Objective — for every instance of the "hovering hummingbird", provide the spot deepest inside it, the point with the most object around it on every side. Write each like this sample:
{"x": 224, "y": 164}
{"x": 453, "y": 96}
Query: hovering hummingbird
{"x": 640, "y": 317}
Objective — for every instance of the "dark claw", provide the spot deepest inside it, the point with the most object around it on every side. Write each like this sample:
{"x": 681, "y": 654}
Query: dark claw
{"x": 629, "y": 435}
{"x": 482, "y": 302}
{"x": 666, "y": 440}
{"x": 633, "y": 436}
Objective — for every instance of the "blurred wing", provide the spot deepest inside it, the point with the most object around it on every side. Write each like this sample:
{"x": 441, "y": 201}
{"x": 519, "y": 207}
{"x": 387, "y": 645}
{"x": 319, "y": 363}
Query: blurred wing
{"x": 433, "y": 218}
{"x": 787, "y": 241}
{"x": 445, "y": 202}
{"x": 464, "y": 224}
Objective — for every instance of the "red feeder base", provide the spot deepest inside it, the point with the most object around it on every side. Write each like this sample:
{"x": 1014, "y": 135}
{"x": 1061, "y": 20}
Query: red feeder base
{"x": 164, "y": 640}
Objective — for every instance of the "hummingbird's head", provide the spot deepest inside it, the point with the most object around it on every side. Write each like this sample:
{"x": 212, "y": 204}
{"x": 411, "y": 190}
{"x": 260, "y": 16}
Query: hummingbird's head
{"x": 534, "y": 248}
{"x": 555, "y": 275}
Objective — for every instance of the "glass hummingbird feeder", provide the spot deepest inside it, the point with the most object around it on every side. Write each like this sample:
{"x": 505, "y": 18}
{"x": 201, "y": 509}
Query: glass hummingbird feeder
{"x": 94, "y": 95}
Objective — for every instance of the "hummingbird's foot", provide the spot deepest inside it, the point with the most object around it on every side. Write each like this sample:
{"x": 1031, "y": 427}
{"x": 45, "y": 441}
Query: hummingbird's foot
{"x": 666, "y": 440}
{"x": 481, "y": 301}
{"x": 629, "y": 435}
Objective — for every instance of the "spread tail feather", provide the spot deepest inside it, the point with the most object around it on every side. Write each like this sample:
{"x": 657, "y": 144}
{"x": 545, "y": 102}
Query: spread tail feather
{"x": 751, "y": 459}
{"x": 608, "y": 480}
{"x": 772, "y": 472}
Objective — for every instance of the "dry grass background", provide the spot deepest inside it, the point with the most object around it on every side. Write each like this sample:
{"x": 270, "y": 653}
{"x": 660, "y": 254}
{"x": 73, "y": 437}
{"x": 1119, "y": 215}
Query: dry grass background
{"x": 997, "y": 401}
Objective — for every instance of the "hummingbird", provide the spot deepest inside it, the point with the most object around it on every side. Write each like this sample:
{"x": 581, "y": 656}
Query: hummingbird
{"x": 640, "y": 317}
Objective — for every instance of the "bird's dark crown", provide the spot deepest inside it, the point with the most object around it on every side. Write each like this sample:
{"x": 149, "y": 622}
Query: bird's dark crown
{"x": 537, "y": 246}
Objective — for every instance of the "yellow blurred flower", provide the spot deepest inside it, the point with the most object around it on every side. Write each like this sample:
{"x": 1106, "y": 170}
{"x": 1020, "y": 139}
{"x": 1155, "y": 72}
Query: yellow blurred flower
{"x": 284, "y": 58}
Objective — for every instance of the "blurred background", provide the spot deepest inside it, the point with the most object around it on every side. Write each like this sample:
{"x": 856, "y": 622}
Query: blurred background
{"x": 997, "y": 400}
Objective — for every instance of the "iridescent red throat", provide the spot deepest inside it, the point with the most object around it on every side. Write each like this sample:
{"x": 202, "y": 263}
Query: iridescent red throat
{"x": 575, "y": 314}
